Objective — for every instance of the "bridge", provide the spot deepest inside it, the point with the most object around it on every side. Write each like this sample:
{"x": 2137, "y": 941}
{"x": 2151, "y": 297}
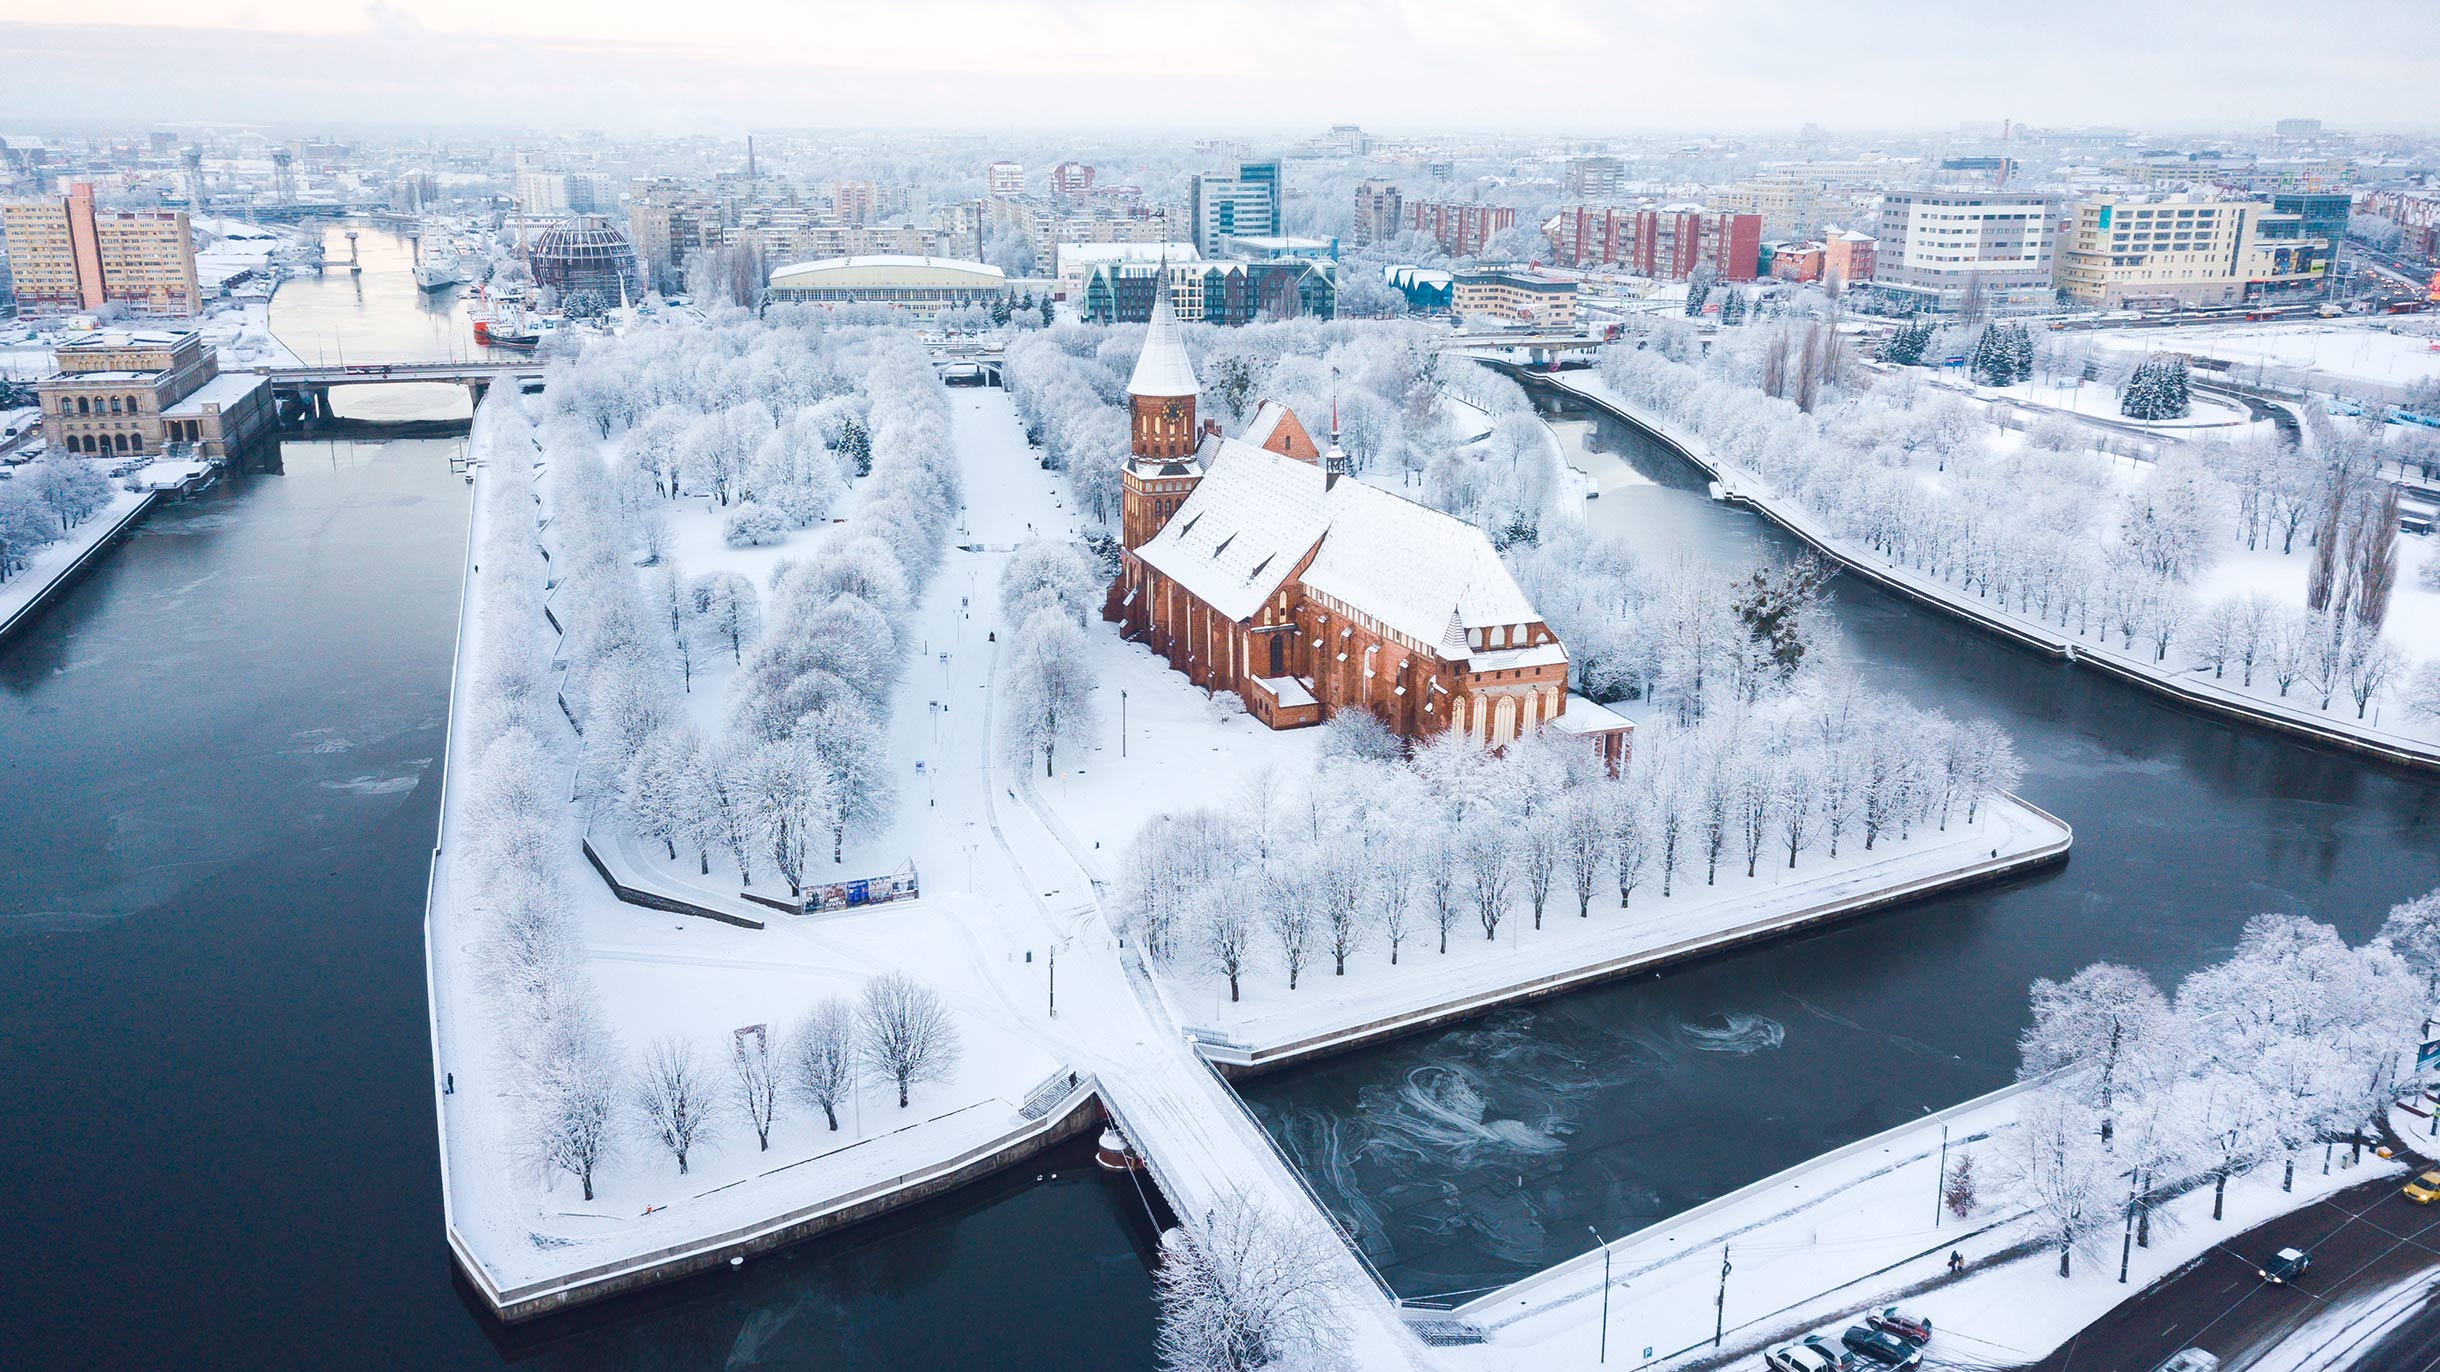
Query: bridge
{"x": 309, "y": 388}
{"x": 969, "y": 359}
{"x": 1538, "y": 349}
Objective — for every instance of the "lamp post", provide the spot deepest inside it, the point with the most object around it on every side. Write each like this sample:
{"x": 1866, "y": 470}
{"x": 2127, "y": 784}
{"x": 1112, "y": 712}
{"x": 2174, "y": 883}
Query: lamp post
{"x": 1940, "y": 1178}
{"x": 1122, "y": 723}
{"x": 1605, "y": 1290}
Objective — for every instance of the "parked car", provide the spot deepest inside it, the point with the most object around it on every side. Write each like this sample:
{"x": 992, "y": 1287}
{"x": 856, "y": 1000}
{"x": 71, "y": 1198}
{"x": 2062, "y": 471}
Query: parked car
{"x": 1915, "y": 1329}
{"x": 2424, "y": 1189}
{"x": 1797, "y": 1357}
{"x": 1876, "y": 1349}
{"x": 2285, "y": 1266}
{"x": 2191, "y": 1360}
{"x": 1839, "y": 1358}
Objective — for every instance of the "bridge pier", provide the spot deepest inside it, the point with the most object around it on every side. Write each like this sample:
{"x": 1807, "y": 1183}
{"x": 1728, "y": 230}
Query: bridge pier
{"x": 476, "y": 390}
{"x": 317, "y": 402}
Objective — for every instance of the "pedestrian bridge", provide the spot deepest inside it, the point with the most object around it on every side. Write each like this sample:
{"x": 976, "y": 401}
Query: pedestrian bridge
{"x": 308, "y": 388}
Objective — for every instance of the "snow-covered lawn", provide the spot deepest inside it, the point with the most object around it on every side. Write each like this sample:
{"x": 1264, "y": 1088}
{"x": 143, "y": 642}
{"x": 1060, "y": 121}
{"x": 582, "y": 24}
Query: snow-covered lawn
{"x": 2378, "y": 350}
{"x": 659, "y": 974}
{"x": 2098, "y": 400}
{"x": 1812, "y": 1247}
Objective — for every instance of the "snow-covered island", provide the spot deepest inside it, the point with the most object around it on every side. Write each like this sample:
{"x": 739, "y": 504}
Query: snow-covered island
{"x": 813, "y": 822}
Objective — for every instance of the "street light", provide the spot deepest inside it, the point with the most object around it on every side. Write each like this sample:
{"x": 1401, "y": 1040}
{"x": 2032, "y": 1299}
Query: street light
{"x": 1122, "y": 723}
{"x": 1605, "y": 1290}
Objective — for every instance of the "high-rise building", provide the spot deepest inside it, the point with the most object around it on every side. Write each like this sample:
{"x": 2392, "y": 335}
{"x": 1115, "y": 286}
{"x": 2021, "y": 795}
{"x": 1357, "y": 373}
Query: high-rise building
{"x": 1004, "y": 178}
{"x": 854, "y": 202}
{"x": 1596, "y": 177}
{"x": 1462, "y": 230}
{"x": 2298, "y": 128}
{"x": 542, "y": 192}
{"x": 1247, "y": 203}
{"x": 1940, "y": 247}
{"x": 65, "y": 254}
{"x": 1380, "y": 212}
{"x": 1668, "y": 243}
{"x": 593, "y": 192}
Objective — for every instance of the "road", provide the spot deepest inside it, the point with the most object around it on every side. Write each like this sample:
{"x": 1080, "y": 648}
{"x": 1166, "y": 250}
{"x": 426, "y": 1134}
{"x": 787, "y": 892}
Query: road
{"x": 2411, "y": 1347}
{"x": 2362, "y": 1239}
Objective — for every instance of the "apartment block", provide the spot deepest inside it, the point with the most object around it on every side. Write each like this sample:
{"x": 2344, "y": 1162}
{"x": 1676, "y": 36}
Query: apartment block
{"x": 1938, "y": 247}
{"x": 1462, "y": 230}
{"x": 1379, "y": 212}
{"x": 66, "y": 254}
{"x": 1669, "y": 243}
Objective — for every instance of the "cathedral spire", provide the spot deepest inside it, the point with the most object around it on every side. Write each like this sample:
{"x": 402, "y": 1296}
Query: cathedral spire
{"x": 1162, "y": 370}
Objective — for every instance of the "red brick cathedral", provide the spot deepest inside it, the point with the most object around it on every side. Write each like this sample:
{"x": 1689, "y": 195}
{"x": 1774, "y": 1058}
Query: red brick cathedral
{"x": 1254, "y": 566}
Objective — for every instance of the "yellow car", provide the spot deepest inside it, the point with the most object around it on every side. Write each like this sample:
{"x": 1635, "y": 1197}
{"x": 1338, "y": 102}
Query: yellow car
{"x": 2424, "y": 1189}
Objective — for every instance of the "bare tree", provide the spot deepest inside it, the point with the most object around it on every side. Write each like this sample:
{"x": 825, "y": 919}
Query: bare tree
{"x": 907, "y": 1035}
{"x": 1226, "y": 924}
{"x": 822, "y": 1057}
{"x": 754, "y": 1082}
{"x": 1243, "y": 1288}
{"x": 674, "y": 1092}
{"x": 1586, "y": 826}
{"x": 1491, "y": 864}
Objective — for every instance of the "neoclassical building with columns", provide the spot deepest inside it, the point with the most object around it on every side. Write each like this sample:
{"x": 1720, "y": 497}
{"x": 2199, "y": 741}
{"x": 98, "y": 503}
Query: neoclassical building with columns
{"x": 1254, "y": 565}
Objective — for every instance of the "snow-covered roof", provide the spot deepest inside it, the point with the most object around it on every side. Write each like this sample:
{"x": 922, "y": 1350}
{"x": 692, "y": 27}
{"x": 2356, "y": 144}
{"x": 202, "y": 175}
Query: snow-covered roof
{"x": 1584, "y": 715}
{"x": 900, "y": 261}
{"x": 224, "y": 390}
{"x": 1427, "y": 575}
{"x": 1275, "y": 427}
{"x": 1257, "y": 514}
{"x": 1243, "y": 529}
{"x": 1163, "y": 369}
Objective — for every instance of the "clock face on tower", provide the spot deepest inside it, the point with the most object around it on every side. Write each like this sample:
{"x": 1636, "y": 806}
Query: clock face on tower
{"x": 1170, "y": 413}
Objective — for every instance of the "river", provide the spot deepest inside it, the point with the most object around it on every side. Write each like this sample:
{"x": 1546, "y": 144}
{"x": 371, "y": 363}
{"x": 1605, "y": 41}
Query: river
{"x": 222, "y": 754}
{"x": 1655, "y": 1095}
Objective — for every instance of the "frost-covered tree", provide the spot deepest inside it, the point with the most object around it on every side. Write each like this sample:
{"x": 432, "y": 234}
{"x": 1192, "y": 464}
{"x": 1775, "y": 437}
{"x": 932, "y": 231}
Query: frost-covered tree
{"x": 1046, "y": 574}
{"x": 573, "y": 1100}
{"x": 1242, "y": 1288}
{"x": 2112, "y": 1022}
{"x": 675, "y": 1095}
{"x": 1046, "y": 689}
{"x": 2056, "y": 1168}
{"x": 822, "y": 1057}
{"x": 905, "y": 1034}
{"x": 730, "y": 609}
{"x": 790, "y": 801}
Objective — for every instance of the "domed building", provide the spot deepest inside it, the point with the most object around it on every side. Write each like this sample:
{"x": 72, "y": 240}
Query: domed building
{"x": 586, "y": 253}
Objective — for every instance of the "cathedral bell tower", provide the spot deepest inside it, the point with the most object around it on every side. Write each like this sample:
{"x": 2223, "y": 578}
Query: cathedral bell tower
{"x": 1161, "y": 428}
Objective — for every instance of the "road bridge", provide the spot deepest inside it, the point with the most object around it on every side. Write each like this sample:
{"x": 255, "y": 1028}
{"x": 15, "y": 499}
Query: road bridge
{"x": 308, "y": 388}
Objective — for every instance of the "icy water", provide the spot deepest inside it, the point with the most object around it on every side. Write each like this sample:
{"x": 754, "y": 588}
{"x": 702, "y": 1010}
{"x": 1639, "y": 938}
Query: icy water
{"x": 1468, "y": 1157}
{"x": 219, "y": 767}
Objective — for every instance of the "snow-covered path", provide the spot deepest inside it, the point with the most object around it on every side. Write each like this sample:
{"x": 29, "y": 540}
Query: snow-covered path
{"x": 1200, "y": 1142}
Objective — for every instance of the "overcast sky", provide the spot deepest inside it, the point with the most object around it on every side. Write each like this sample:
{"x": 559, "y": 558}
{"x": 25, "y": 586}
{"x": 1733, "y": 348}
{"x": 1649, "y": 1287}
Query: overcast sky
{"x": 715, "y": 66}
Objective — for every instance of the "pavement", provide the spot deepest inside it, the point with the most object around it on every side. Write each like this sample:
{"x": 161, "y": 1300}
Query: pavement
{"x": 2363, "y": 1239}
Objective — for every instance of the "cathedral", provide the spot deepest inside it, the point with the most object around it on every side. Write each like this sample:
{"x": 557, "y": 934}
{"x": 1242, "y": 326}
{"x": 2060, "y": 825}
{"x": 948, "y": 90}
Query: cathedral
{"x": 1253, "y": 565}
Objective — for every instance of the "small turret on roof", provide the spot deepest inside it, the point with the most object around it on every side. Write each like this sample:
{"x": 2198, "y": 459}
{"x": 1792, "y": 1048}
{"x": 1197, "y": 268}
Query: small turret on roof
{"x": 1163, "y": 368}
